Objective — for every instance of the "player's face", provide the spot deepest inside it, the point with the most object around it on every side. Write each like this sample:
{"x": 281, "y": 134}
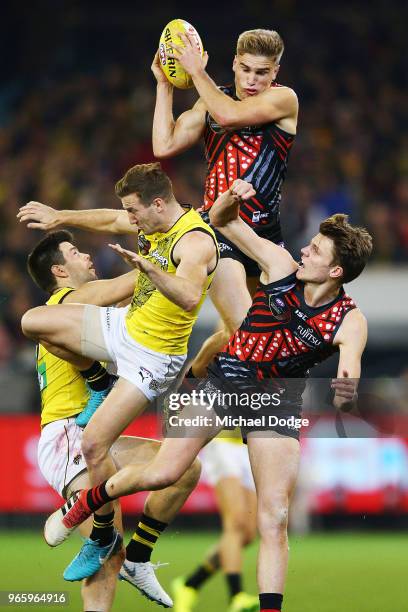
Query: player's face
{"x": 253, "y": 74}
{"x": 78, "y": 266}
{"x": 317, "y": 261}
{"x": 145, "y": 217}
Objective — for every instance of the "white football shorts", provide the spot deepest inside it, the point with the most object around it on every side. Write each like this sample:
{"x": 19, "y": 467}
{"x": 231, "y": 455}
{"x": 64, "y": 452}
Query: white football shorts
{"x": 60, "y": 458}
{"x": 105, "y": 338}
{"x": 223, "y": 459}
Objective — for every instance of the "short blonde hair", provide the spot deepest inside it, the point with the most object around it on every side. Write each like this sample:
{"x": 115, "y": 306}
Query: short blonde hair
{"x": 261, "y": 42}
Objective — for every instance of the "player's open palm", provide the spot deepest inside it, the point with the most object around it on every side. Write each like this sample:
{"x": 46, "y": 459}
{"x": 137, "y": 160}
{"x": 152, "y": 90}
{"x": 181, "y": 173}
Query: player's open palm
{"x": 131, "y": 258}
{"x": 189, "y": 55}
{"x": 38, "y": 216}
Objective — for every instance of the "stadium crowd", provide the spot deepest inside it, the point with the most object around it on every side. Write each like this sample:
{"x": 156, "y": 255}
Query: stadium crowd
{"x": 72, "y": 121}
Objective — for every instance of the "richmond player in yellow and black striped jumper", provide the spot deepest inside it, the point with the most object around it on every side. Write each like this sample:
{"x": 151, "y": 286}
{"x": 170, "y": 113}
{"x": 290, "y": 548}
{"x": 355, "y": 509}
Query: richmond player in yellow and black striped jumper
{"x": 53, "y": 263}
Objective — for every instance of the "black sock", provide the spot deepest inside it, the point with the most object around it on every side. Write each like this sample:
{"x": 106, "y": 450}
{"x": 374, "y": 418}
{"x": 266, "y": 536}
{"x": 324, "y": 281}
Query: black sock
{"x": 97, "y": 377}
{"x": 201, "y": 574}
{"x": 234, "y": 582}
{"x": 102, "y": 528}
{"x": 145, "y": 537}
{"x": 97, "y": 497}
{"x": 189, "y": 382}
{"x": 270, "y": 601}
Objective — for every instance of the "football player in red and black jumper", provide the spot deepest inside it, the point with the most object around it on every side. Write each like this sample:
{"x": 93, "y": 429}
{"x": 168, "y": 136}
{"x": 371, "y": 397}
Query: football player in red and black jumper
{"x": 248, "y": 131}
{"x": 300, "y": 315}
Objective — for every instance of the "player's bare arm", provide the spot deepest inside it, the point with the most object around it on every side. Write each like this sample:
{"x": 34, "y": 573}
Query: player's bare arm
{"x": 351, "y": 339}
{"x": 274, "y": 261}
{"x": 104, "y": 292}
{"x": 274, "y": 104}
{"x": 170, "y": 136}
{"x": 195, "y": 257}
{"x": 43, "y": 217}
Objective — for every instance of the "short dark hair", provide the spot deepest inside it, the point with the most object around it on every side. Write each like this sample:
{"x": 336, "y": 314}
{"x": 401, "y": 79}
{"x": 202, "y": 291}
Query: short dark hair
{"x": 352, "y": 245}
{"x": 45, "y": 255}
{"x": 147, "y": 181}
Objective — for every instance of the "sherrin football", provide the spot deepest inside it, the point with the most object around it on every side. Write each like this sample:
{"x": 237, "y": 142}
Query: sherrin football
{"x": 171, "y": 67}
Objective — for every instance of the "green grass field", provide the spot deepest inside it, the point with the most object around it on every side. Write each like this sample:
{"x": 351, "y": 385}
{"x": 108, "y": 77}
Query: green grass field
{"x": 342, "y": 572}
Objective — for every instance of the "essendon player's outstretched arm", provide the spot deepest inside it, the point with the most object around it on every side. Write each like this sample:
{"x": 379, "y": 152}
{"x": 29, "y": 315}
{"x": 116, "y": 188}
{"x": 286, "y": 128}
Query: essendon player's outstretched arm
{"x": 274, "y": 261}
{"x": 274, "y": 104}
{"x": 170, "y": 137}
{"x": 351, "y": 339}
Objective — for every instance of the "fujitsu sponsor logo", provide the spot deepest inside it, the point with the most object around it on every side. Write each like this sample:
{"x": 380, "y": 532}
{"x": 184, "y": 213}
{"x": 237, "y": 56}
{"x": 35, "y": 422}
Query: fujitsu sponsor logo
{"x": 307, "y": 335}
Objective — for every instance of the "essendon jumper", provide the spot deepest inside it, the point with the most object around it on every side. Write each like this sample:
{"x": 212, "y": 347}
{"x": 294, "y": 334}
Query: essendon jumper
{"x": 281, "y": 336}
{"x": 257, "y": 154}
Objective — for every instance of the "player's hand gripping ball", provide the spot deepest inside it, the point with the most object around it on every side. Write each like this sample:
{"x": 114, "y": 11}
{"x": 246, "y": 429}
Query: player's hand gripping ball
{"x": 171, "y": 67}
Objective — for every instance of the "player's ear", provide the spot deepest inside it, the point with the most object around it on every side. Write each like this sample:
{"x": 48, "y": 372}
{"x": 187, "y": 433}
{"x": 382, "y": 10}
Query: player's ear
{"x": 275, "y": 71}
{"x": 59, "y": 271}
{"x": 234, "y": 63}
{"x": 336, "y": 272}
{"x": 158, "y": 203}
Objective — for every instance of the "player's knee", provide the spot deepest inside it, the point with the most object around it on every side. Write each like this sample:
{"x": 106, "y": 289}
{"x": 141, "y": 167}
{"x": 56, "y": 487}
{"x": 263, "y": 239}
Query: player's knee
{"x": 28, "y": 323}
{"x": 230, "y": 327}
{"x": 163, "y": 476}
{"x": 93, "y": 450}
{"x": 273, "y": 518}
{"x": 232, "y": 322}
{"x": 235, "y": 521}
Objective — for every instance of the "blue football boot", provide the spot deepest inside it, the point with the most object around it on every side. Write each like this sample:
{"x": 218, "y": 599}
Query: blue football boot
{"x": 91, "y": 557}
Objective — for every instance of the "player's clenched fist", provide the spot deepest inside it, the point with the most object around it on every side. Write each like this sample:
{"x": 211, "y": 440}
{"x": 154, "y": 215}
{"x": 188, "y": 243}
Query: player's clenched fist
{"x": 38, "y": 216}
{"x": 242, "y": 190}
